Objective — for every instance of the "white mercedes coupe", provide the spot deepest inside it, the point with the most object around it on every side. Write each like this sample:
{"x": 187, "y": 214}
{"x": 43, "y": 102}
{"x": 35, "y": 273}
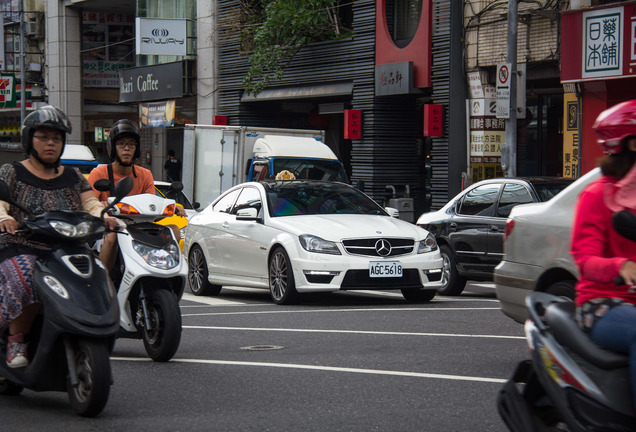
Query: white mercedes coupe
{"x": 298, "y": 236}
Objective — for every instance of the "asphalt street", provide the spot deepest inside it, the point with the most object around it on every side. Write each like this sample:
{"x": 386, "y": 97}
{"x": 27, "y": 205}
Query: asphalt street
{"x": 356, "y": 361}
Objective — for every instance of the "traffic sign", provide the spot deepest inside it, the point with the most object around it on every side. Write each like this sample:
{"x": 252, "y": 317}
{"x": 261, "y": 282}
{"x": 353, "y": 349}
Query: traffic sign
{"x": 503, "y": 90}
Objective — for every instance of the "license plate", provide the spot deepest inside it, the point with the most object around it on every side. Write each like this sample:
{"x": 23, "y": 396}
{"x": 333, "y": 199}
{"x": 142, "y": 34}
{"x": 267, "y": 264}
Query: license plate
{"x": 385, "y": 269}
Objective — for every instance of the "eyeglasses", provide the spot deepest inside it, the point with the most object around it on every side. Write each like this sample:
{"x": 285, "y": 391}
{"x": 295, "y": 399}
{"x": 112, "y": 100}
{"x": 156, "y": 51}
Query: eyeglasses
{"x": 45, "y": 138}
{"x": 124, "y": 144}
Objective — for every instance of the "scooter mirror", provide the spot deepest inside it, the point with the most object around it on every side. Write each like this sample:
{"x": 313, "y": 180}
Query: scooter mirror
{"x": 5, "y": 192}
{"x": 624, "y": 223}
{"x": 5, "y": 195}
{"x": 102, "y": 185}
{"x": 176, "y": 186}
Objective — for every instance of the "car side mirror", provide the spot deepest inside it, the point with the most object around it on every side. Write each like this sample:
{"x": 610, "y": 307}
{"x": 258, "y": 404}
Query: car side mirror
{"x": 393, "y": 212}
{"x": 247, "y": 214}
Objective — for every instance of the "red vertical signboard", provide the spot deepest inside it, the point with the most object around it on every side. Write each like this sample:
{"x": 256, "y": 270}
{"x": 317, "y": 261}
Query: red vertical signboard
{"x": 352, "y": 124}
{"x": 433, "y": 120}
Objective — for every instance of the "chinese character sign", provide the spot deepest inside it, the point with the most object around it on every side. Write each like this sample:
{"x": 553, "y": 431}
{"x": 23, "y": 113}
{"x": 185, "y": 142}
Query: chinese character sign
{"x": 433, "y": 120}
{"x": 352, "y": 124}
{"x": 603, "y": 43}
{"x": 570, "y": 136}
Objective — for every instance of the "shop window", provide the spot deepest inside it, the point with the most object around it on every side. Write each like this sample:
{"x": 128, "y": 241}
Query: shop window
{"x": 403, "y": 18}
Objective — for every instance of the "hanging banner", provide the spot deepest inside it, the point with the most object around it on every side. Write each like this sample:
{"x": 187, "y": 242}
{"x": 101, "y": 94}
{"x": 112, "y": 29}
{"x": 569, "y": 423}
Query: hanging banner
{"x": 570, "y": 135}
{"x": 157, "y": 114}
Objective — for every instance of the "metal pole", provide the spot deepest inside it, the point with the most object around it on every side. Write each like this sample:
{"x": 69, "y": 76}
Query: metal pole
{"x": 22, "y": 74}
{"x": 510, "y": 147}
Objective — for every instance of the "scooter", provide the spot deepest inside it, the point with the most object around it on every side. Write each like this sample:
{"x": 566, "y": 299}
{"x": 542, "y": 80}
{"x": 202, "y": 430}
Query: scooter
{"x": 150, "y": 275}
{"x": 570, "y": 383}
{"x": 73, "y": 335}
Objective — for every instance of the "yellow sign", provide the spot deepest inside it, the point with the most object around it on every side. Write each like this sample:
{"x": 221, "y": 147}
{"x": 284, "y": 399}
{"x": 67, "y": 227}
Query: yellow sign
{"x": 570, "y": 135}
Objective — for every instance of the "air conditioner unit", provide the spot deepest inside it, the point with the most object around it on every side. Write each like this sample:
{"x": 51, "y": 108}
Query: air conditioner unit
{"x": 32, "y": 30}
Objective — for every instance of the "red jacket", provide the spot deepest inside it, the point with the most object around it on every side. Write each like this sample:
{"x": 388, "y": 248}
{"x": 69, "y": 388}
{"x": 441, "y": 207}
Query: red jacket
{"x": 598, "y": 250}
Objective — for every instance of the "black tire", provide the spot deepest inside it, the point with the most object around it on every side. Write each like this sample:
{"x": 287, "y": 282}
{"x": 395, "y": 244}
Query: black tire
{"x": 93, "y": 372}
{"x": 9, "y": 388}
{"x": 282, "y": 287}
{"x": 565, "y": 288}
{"x": 198, "y": 274}
{"x": 417, "y": 295}
{"x": 452, "y": 283}
{"x": 163, "y": 340}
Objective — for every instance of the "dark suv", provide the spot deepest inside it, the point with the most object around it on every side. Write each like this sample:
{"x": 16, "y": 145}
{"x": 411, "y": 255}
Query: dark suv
{"x": 469, "y": 229}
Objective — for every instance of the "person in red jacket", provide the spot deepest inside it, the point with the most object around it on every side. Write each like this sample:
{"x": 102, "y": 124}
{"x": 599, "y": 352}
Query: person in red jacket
{"x": 606, "y": 309}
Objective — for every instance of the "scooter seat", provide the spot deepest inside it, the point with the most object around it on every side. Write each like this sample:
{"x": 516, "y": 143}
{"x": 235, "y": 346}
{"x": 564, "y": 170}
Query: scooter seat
{"x": 560, "y": 318}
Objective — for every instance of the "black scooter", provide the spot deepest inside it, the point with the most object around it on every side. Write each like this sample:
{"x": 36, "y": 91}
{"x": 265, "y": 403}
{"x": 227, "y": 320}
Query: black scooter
{"x": 72, "y": 337}
{"x": 570, "y": 383}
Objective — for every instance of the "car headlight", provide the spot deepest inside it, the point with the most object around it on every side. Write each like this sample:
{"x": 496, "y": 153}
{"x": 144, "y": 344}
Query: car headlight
{"x": 164, "y": 259}
{"x": 69, "y": 230}
{"x": 427, "y": 245}
{"x": 313, "y": 243}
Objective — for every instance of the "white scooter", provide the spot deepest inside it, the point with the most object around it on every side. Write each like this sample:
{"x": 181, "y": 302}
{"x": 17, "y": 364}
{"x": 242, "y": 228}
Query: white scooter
{"x": 150, "y": 275}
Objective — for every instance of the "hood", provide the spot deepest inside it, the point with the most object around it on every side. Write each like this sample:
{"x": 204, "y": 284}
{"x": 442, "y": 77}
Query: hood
{"x": 336, "y": 227}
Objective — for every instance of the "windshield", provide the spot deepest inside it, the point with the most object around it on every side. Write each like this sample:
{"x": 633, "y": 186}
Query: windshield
{"x": 179, "y": 197}
{"x": 311, "y": 169}
{"x": 290, "y": 198}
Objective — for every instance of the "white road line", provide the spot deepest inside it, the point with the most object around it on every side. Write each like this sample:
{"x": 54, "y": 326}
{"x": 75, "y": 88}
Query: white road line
{"x": 212, "y": 301}
{"x": 387, "y": 333}
{"x": 298, "y": 311}
{"x": 324, "y": 368}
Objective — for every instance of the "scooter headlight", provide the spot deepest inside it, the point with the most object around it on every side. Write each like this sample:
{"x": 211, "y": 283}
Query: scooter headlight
{"x": 56, "y": 286}
{"x": 69, "y": 230}
{"x": 164, "y": 259}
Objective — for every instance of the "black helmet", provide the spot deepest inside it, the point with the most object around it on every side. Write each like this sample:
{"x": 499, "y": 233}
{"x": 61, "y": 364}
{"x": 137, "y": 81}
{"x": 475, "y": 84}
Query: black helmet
{"x": 47, "y": 116}
{"x": 120, "y": 129}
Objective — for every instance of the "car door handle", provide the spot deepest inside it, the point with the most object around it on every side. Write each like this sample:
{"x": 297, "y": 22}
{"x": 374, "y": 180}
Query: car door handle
{"x": 452, "y": 226}
{"x": 225, "y": 224}
{"x": 494, "y": 228}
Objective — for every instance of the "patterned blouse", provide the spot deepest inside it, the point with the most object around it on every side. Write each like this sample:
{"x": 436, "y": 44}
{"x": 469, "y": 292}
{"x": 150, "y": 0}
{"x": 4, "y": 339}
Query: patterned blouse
{"x": 39, "y": 196}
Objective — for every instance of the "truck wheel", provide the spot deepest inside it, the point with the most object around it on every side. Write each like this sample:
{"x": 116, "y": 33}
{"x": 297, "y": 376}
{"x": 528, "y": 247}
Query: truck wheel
{"x": 93, "y": 372}
{"x": 281, "y": 278}
{"x": 198, "y": 274}
{"x": 162, "y": 341}
{"x": 452, "y": 283}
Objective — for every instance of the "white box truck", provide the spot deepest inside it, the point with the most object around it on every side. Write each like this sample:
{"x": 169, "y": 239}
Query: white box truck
{"x": 216, "y": 158}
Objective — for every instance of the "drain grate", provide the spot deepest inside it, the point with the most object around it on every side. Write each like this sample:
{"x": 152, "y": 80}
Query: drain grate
{"x": 262, "y": 347}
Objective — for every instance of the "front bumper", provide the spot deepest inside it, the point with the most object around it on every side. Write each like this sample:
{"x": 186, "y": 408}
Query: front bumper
{"x": 320, "y": 272}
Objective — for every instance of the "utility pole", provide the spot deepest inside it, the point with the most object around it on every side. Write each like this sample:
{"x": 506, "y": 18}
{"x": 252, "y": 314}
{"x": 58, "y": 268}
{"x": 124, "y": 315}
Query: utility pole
{"x": 509, "y": 150}
{"x": 22, "y": 74}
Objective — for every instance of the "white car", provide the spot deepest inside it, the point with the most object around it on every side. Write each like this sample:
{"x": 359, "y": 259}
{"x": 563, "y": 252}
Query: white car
{"x": 303, "y": 236}
{"x": 537, "y": 250}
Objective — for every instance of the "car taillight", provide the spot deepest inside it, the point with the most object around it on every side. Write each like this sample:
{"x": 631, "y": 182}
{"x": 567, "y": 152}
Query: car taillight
{"x": 510, "y": 224}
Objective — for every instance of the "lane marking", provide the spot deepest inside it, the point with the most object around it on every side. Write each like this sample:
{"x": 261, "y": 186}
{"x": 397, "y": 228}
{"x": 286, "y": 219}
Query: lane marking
{"x": 287, "y": 311}
{"x": 324, "y": 368}
{"x": 367, "y": 332}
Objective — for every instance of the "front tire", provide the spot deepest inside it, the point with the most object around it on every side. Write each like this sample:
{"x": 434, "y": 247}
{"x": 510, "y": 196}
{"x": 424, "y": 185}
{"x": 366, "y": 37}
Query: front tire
{"x": 416, "y": 295}
{"x": 452, "y": 283}
{"x": 162, "y": 341}
{"x": 282, "y": 287}
{"x": 198, "y": 274}
{"x": 93, "y": 372}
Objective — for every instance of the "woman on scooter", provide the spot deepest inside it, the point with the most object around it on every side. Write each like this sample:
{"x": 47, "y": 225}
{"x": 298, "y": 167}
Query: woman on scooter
{"x": 604, "y": 309}
{"x": 38, "y": 183}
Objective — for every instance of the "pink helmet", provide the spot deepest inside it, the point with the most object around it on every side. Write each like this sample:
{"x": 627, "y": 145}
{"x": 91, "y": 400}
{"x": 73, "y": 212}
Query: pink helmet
{"x": 614, "y": 125}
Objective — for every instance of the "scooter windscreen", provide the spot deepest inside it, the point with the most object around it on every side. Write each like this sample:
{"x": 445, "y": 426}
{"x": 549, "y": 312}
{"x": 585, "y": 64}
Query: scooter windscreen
{"x": 151, "y": 234}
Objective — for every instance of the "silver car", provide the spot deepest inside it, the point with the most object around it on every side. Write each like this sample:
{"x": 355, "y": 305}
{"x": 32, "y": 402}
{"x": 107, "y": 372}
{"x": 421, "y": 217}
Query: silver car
{"x": 537, "y": 250}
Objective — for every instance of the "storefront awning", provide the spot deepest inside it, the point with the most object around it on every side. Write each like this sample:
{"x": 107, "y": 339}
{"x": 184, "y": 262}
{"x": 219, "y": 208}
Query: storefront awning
{"x": 301, "y": 92}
